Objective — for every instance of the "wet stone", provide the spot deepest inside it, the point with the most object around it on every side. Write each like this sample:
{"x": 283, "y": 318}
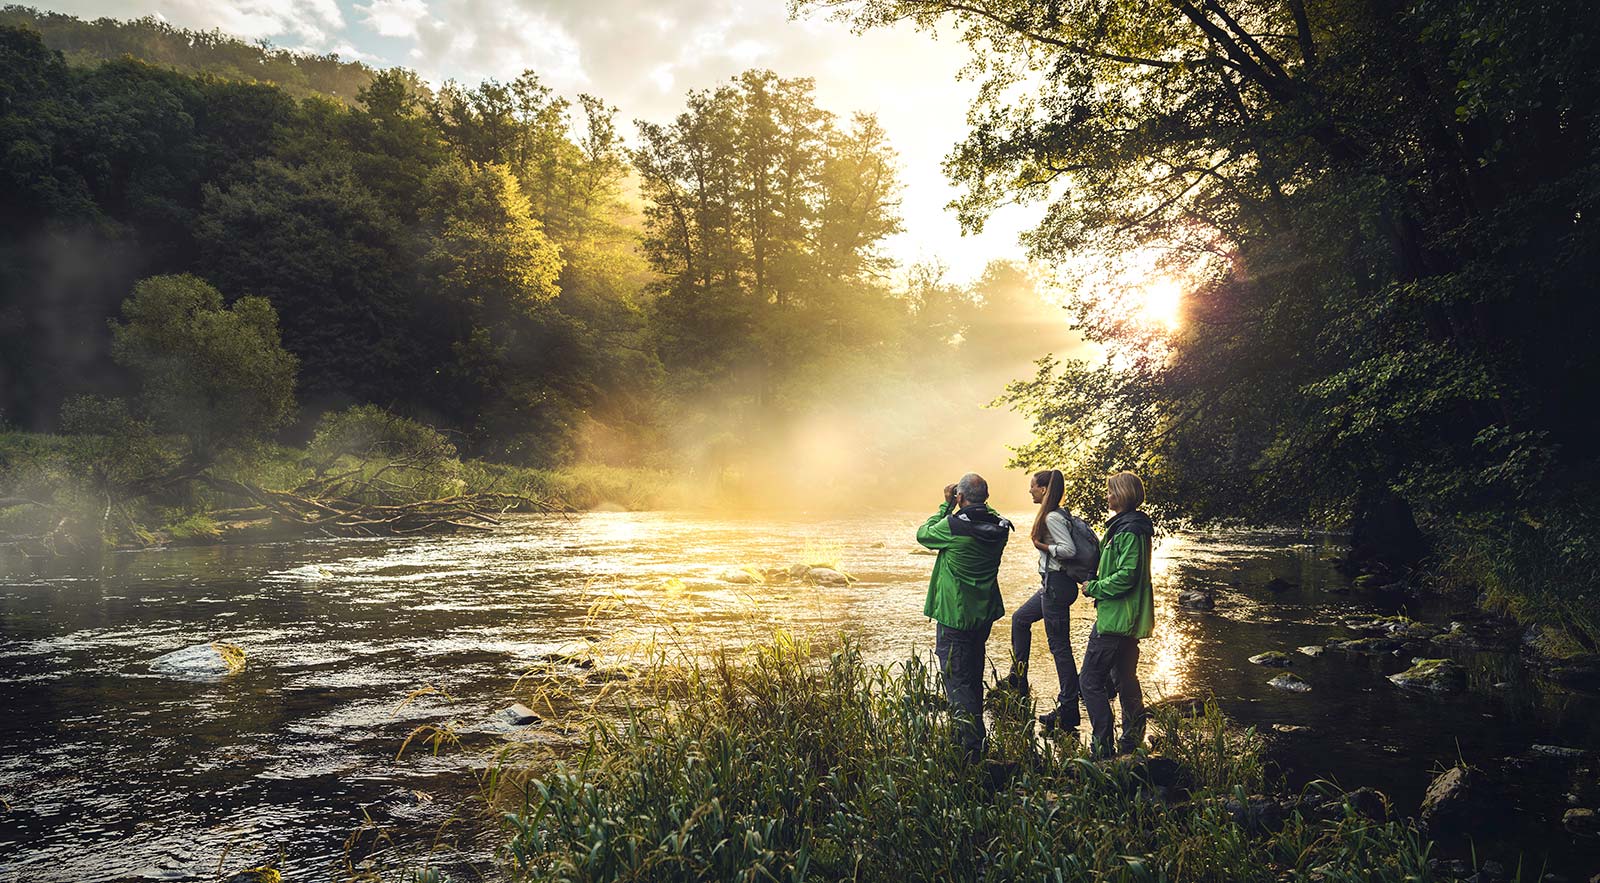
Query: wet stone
{"x": 1437, "y": 675}
{"x": 213, "y": 660}
{"x": 1290, "y": 682}
{"x": 519, "y": 715}
{"x": 1290, "y": 729}
{"x": 1311, "y": 650}
{"x": 1583, "y": 822}
{"x": 1451, "y": 802}
{"x": 1273, "y": 658}
{"x": 1559, "y": 752}
{"x": 1196, "y": 600}
{"x": 826, "y": 576}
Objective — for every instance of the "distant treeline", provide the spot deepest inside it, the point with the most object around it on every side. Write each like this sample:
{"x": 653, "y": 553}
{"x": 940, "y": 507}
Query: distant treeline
{"x": 154, "y": 41}
{"x": 470, "y": 257}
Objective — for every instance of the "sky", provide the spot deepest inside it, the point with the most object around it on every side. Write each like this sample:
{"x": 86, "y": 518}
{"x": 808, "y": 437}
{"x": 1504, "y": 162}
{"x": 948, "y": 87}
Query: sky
{"x": 643, "y": 57}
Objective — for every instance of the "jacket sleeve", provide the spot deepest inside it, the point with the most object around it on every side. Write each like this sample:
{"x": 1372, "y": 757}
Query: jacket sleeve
{"x": 1062, "y": 548}
{"x": 1119, "y": 572}
{"x": 935, "y": 532}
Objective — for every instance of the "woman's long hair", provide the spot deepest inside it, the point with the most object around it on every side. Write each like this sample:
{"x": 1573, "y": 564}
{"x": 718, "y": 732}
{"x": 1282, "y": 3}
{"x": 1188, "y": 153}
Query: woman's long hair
{"x": 1055, "y": 486}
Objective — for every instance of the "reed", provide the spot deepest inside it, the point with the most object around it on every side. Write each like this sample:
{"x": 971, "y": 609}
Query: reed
{"x": 798, "y": 760}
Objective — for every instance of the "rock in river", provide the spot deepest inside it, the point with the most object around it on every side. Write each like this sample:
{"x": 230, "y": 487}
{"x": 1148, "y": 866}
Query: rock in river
{"x": 826, "y": 576}
{"x": 1450, "y": 803}
{"x": 1312, "y": 650}
{"x": 1291, "y": 682}
{"x": 1274, "y": 658}
{"x": 212, "y": 660}
{"x": 1582, "y": 822}
{"x": 738, "y": 576}
{"x": 1438, "y": 675}
{"x": 1196, "y": 600}
{"x": 519, "y": 715}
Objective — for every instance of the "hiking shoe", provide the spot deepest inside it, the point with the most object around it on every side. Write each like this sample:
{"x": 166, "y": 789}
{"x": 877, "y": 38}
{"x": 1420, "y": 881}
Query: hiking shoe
{"x": 1012, "y": 683}
{"x": 1063, "y": 717}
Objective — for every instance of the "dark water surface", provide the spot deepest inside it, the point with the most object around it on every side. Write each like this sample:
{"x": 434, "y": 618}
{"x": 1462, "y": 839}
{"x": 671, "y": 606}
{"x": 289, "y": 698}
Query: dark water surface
{"x": 110, "y": 772}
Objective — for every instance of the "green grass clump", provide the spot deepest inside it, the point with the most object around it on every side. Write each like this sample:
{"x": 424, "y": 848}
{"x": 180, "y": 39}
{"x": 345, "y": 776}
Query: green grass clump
{"x": 789, "y": 764}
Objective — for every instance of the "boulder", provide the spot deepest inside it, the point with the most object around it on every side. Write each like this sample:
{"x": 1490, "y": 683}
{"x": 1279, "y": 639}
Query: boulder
{"x": 205, "y": 661}
{"x": 1393, "y": 626}
{"x": 1291, "y": 682}
{"x": 826, "y": 576}
{"x": 738, "y": 576}
{"x": 1451, "y": 802}
{"x": 1311, "y": 650}
{"x": 1273, "y": 658}
{"x": 1437, "y": 675}
{"x": 1366, "y": 802}
{"x": 1257, "y": 813}
{"x": 798, "y": 571}
{"x": 519, "y": 715}
{"x": 1581, "y": 821}
{"x": 1194, "y": 599}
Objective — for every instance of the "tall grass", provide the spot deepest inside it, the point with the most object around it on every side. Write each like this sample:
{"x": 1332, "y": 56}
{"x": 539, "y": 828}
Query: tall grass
{"x": 796, "y": 761}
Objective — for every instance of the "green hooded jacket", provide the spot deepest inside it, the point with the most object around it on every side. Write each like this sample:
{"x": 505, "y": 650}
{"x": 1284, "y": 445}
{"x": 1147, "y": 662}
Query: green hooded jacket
{"x": 1124, "y": 599}
{"x": 964, "y": 590}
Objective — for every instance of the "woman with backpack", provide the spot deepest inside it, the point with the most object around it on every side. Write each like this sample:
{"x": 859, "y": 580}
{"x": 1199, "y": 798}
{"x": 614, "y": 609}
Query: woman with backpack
{"x": 1068, "y": 553}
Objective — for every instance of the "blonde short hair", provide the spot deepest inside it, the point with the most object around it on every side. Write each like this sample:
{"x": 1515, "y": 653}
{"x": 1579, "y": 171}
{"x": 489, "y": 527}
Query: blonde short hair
{"x": 1126, "y": 491}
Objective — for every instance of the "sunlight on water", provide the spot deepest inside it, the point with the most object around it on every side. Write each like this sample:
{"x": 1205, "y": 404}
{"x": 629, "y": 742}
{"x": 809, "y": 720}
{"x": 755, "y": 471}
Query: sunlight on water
{"x": 299, "y": 749}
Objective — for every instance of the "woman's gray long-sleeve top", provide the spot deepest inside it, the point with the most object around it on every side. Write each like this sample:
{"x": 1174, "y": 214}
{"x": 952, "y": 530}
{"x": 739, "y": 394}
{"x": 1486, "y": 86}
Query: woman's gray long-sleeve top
{"x": 1061, "y": 546}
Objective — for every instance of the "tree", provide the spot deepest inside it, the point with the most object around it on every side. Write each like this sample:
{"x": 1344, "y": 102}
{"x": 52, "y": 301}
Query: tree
{"x": 216, "y": 375}
{"x": 321, "y": 248}
{"x": 1383, "y": 216}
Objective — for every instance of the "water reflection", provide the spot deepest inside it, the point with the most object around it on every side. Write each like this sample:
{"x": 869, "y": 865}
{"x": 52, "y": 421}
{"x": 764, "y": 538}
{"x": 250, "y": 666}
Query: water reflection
{"x": 114, "y": 773}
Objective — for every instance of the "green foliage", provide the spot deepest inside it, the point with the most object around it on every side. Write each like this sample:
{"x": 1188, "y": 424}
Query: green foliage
{"x": 368, "y": 454}
{"x": 215, "y": 374}
{"x": 778, "y": 766}
{"x": 1383, "y": 216}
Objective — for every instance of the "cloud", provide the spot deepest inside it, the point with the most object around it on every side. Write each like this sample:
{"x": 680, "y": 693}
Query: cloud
{"x": 394, "y": 18}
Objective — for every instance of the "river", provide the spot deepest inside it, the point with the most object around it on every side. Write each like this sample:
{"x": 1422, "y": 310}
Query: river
{"x": 110, "y": 772}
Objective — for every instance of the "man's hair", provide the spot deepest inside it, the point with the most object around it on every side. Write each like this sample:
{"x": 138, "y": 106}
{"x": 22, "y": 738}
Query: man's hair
{"x": 973, "y": 489}
{"x": 1126, "y": 490}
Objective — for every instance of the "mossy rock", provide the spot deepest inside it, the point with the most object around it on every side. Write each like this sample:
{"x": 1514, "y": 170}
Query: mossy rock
{"x": 1290, "y": 682}
{"x": 1437, "y": 675}
{"x": 1273, "y": 658}
{"x": 213, "y": 660}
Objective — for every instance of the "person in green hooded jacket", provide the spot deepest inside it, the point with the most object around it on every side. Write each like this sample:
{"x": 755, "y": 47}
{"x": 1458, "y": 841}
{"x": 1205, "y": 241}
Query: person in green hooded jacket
{"x": 1125, "y": 612}
{"x": 964, "y": 597}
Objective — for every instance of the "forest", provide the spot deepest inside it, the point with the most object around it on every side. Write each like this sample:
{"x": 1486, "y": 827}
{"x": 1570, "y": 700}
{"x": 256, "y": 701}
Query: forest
{"x": 491, "y": 262}
{"x": 1387, "y": 269}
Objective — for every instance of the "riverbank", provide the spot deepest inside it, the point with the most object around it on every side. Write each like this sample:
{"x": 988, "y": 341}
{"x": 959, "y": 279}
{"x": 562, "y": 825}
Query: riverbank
{"x": 793, "y": 761}
{"x": 69, "y": 493}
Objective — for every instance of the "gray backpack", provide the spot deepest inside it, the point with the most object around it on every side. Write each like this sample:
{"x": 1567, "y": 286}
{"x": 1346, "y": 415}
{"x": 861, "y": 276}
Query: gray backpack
{"x": 1085, "y": 563}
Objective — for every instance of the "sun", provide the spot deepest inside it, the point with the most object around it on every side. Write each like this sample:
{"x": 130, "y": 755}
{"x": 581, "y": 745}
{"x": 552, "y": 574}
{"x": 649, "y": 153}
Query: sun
{"x": 1162, "y": 302}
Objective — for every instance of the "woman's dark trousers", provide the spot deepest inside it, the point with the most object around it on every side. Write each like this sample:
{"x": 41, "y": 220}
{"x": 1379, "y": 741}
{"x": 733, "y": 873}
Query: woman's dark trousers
{"x": 960, "y": 653}
{"x": 1052, "y": 604}
{"x": 1111, "y": 665}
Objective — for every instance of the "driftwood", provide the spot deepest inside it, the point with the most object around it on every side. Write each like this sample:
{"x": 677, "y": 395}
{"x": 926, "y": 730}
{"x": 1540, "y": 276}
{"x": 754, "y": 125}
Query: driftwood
{"x": 344, "y": 517}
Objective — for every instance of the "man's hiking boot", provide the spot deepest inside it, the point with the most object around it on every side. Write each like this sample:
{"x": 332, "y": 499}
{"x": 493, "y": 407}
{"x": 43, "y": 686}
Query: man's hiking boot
{"x": 1063, "y": 717}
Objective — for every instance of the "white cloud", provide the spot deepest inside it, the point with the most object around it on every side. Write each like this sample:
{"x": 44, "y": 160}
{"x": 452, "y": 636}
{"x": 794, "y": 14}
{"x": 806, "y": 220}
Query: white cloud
{"x": 394, "y": 18}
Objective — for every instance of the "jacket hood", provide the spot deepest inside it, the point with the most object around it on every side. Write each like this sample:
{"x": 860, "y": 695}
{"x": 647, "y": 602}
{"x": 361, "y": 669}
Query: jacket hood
{"x": 981, "y": 523}
{"x": 1132, "y": 521}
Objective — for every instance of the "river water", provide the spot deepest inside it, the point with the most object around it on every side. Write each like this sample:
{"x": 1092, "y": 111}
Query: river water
{"x": 111, "y": 772}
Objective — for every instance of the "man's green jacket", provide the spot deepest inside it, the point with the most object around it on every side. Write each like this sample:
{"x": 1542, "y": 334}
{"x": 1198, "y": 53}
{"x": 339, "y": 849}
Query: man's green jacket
{"x": 1124, "y": 599}
{"x": 964, "y": 590}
